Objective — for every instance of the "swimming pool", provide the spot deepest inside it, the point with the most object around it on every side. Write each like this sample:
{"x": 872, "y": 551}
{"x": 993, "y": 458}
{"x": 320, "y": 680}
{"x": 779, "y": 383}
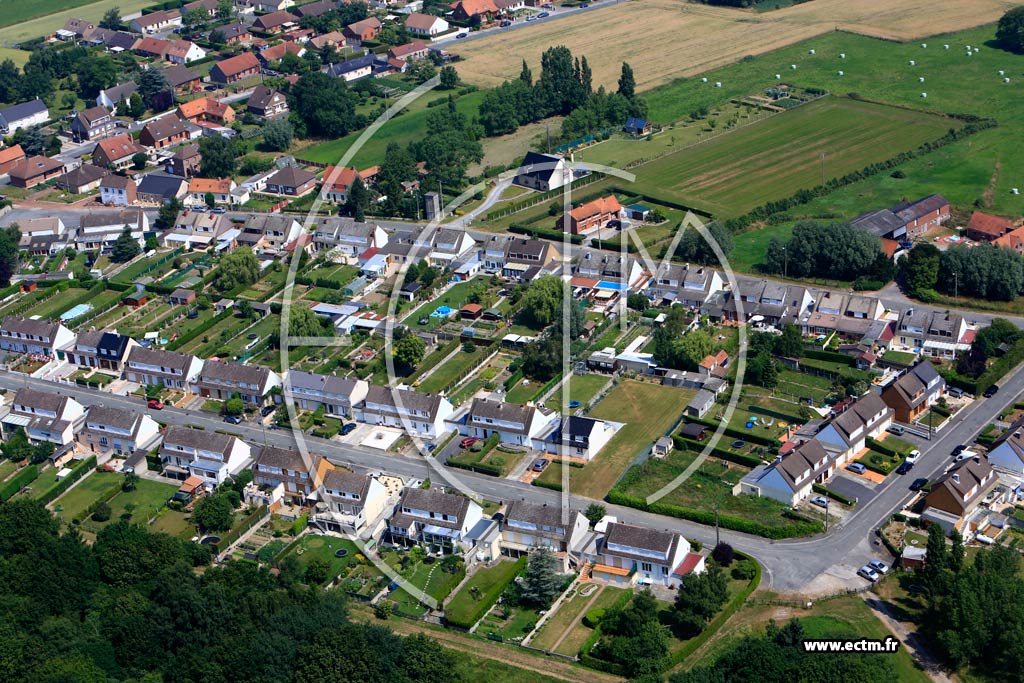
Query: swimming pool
{"x": 617, "y": 286}
{"x": 75, "y": 311}
{"x": 441, "y": 312}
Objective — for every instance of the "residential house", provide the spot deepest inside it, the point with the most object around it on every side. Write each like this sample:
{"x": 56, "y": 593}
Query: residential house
{"x": 273, "y": 5}
{"x": 269, "y": 232}
{"x": 42, "y": 236}
{"x": 235, "y": 33}
{"x": 118, "y": 431}
{"x": 76, "y": 28}
{"x": 526, "y": 258}
{"x": 196, "y": 230}
{"x": 410, "y": 51}
{"x": 212, "y": 457}
{"x": 160, "y": 188}
{"x": 543, "y": 172}
{"x": 367, "y": 29}
{"x": 353, "y": 504}
{"x": 276, "y": 52}
{"x": 337, "y": 183}
{"x": 334, "y": 39}
{"x": 45, "y": 417}
{"x": 34, "y": 171}
{"x": 234, "y": 69}
{"x": 984, "y": 227}
{"x": 419, "y": 414}
{"x": 274, "y": 22}
{"x": 155, "y": 22}
{"x": 186, "y": 161}
{"x": 117, "y": 190}
{"x": 1013, "y": 240}
{"x": 223, "y": 379}
{"x": 181, "y": 297}
{"x": 101, "y": 349}
{"x": 1007, "y": 452}
{"x": 448, "y": 246}
{"x": 338, "y": 395}
{"x": 955, "y": 495}
{"x": 348, "y": 237}
{"x": 151, "y": 47}
{"x": 85, "y": 178}
{"x": 905, "y": 221}
{"x": 526, "y": 526}
{"x": 591, "y": 216}
{"x": 625, "y": 555}
{"x": 687, "y": 285}
{"x": 514, "y": 424}
{"x": 100, "y": 229}
{"x": 352, "y": 69}
{"x": 315, "y": 9}
{"x": 116, "y": 152}
{"x": 578, "y": 437}
{"x": 163, "y": 132}
{"x": 789, "y": 478}
{"x": 162, "y": 368}
{"x": 208, "y": 6}
{"x": 286, "y": 468}
{"x": 912, "y": 394}
{"x": 477, "y": 11}
{"x": 222, "y": 190}
{"x": 109, "y": 98}
{"x": 95, "y": 123}
{"x": 291, "y": 181}
{"x": 23, "y": 115}
{"x": 715, "y": 364}
{"x": 425, "y": 25}
{"x": 266, "y": 103}
{"x": 637, "y": 127}
{"x": 619, "y": 270}
{"x": 846, "y": 434}
{"x": 432, "y": 517}
{"x": 701, "y": 403}
{"x": 36, "y": 336}
{"x": 9, "y": 158}
{"x": 206, "y": 110}
{"x": 938, "y": 334}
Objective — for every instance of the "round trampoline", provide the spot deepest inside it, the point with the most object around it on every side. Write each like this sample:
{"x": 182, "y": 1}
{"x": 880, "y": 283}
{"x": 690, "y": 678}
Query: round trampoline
{"x": 340, "y": 552}
{"x": 739, "y": 443}
{"x": 210, "y": 540}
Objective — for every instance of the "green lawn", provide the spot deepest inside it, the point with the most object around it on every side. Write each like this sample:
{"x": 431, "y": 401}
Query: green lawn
{"x": 475, "y": 668}
{"x": 465, "y": 602}
{"x": 85, "y": 493}
{"x": 901, "y": 357}
{"x": 582, "y": 388}
{"x": 429, "y": 578}
{"x": 772, "y": 159}
{"x": 23, "y": 20}
{"x": 447, "y": 373}
{"x": 140, "y": 504}
{"x": 454, "y": 298}
{"x": 796, "y": 385}
{"x": 523, "y": 391}
{"x": 55, "y": 305}
{"x": 324, "y": 548}
{"x": 572, "y": 607}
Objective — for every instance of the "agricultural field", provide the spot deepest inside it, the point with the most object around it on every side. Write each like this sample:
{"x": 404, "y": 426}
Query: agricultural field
{"x": 738, "y": 170}
{"x": 23, "y": 20}
{"x": 681, "y": 39}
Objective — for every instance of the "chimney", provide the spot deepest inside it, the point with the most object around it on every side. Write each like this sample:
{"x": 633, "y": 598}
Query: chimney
{"x": 956, "y": 478}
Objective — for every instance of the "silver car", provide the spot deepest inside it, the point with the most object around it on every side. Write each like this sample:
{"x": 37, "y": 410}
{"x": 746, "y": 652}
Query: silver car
{"x": 868, "y": 573}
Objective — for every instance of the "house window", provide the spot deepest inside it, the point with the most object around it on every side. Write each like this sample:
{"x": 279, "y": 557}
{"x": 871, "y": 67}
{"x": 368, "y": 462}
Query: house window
{"x": 645, "y": 566}
{"x": 664, "y": 571}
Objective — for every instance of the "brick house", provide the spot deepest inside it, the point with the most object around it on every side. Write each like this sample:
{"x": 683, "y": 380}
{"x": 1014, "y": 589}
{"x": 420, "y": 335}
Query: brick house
{"x": 163, "y": 132}
{"x": 234, "y": 69}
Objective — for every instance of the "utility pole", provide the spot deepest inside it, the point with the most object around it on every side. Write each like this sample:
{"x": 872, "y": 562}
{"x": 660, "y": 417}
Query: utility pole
{"x": 822, "y": 168}
{"x": 718, "y": 536}
{"x": 828, "y": 501}
{"x": 785, "y": 263}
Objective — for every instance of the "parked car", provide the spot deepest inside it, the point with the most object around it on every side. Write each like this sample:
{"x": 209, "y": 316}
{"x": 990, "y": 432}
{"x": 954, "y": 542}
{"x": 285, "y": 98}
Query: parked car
{"x": 233, "y": 419}
{"x": 468, "y": 441}
{"x": 958, "y": 450}
{"x": 461, "y": 36}
{"x": 879, "y": 566}
{"x": 820, "y": 501}
{"x": 543, "y": 15}
{"x": 868, "y": 573}
{"x": 218, "y": 210}
{"x": 530, "y": 17}
{"x": 267, "y": 410}
{"x": 348, "y": 428}
{"x": 856, "y": 467}
{"x": 913, "y": 456}
{"x": 506, "y": 23}
{"x": 431, "y": 447}
{"x": 955, "y": 392}
{"x": 155, "y": 404}
{"x": 991, "y": 391}
{"x": 539, "y": 464}
{"x": 895, "y": 429}
{"x": 904, "y": 467}
{"x": 919, "y": 484}
{"x": 211, "y": 88}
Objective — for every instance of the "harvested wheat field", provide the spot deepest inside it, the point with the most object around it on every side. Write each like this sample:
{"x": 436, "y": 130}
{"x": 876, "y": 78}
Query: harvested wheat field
{"x": 667, "y": 39}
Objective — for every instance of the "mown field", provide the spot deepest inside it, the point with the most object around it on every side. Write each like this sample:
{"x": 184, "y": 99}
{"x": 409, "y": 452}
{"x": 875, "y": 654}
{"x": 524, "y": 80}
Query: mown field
{"x": 669, "y": 39}
{"x": 21, "y": 20}
{"x": 774, "y": 158}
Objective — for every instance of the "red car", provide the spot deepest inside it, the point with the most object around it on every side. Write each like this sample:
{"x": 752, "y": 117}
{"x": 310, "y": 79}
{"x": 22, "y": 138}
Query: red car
{"x": 155, "y": 404}
{"x": 468, "y": 441}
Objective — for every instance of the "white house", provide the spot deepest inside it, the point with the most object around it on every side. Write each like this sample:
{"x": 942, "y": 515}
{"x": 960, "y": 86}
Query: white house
{"x": 543, "y": 172}
{"x": 28, "y": 335}
{"x": 513, "y": 423}
{"x": 433, "y": 517}
{"x": 625, "y": 555}
{"x": 119, "y": 431}
{"x": 347, "y": 237}
{"x": 526, "y": 526}
{"x": 100, "y": 229}
{"x": 201, "y": 453}
{"x": 789, "y": 479}
{"x": 1007, "y": 453}
{"x": 422, "y": 415}
{"x": 425, "y": 25}
{"x": 354, "y": 504}
{"x": 24, "y": 115}
{"x": 579, "y": 437}
{"x": 846, "y": 434}
{"x": 159, "y": 367}
{"x": 686, "y": 285}
{"x": 44, "y": 417}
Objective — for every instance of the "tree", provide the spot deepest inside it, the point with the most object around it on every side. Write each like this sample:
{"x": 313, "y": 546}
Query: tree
{"x": 111, "y": 19}
{"x": 225, "y": 9}
{"x": 125, "y": 247}
{"x": 139, "y": 160}
{"x": 130, "y": 482}
{"x": 1010, "y": 31}
{"x": 277, "y": 135}
{"x": 636, "y": 639}
{"x": 693, "y": 248}
{"x": 213, "y": 513}
{"x": 627, "y": 84}
{"x": 220, "y": 156}
{"x": 790, "y": 344}
{"x": 239, "y": 268}
{"x": 33, "y": 141}
{"x": 763, "y": 371}
{"x": 324, "y": 105}
{"x": 702, "y": 595}
{"x": 303, "y": 322}
{"x": 594, "y": 513}
{"x": 234, "y": 406}
{"x": 637, "y": 302}
{"x": 10, "y": 81}
{"x": 151, "y": 83}
{"x": 101, "y": 511}
{"x": 358, "y": 200}
{"x": 167, "y": 214}
{"x": 318, "y": 571}
{"x": 451, "y": 143}
{"x": 210, "y": 200}
{"x": 95, "y": 74}
{"x": 723, "y": 554}
{"x": 135, "y": 107}
{"x": 956, "y": 553}
{"x": 449, "y": 78}
{"x": 541, "y": 583}
{"x": 245, "y": 309}
{"x": 934, "y": 569}
{"x": 408, "y": 352}
{"x": 194, "y": 20}
{"x": 10, "y": 253}
{"x": 824, "y": 250}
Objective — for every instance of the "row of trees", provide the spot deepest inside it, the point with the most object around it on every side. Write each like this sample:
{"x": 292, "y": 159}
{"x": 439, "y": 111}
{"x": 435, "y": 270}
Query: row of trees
{"x": 983, "y": 272}
{"x": 834, "y": 251}
{"x": 565, "y": 88}
{"x": 676, "y": 345}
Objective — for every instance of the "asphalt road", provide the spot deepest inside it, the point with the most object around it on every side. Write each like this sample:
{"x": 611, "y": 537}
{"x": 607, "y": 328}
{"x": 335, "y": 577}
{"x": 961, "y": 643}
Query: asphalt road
{"x": 790, "y": 566}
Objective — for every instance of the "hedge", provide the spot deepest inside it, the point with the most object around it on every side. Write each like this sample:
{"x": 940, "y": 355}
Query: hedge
{"x": 77, "y": 472}
{"x": 18, "y": 482}
{"x": 882, "y": 448}
{"x": 544, "y": 233}
{"x": 826, "y": 491}
{"x": 487, "y": 599}
{"x": 739, "y": 458}
{"x": 738, "y": 433}
{"x": 801, "y": 526}
{"x": 593, "y": 662}
{"x": 830, "y": 356}
{"x": 513, "y": 379}
{"x": 478, "y": 467}
{"x": 199, "y": 329}
{"x": 243, "y": 526}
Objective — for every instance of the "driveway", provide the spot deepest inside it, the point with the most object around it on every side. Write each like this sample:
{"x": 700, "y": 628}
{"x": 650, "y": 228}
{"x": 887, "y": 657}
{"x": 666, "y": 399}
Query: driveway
{"x": 846, "y": 485}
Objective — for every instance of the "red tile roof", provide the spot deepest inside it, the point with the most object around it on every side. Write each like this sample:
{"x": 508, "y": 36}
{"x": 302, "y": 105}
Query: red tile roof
{"x": 689, "y": 563}
{"x": 987, "y": 224}
{"x": 596, "y": 207}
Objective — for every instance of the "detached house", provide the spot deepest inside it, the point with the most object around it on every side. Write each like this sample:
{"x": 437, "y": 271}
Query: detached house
{"x": 100, "y": 230}
{"x": 269, "y": 232}
{"x": 266, "y": 103}
{"x": 101, "y": 349}
{"x": 354, "y": 504}
{"x": 425, "y": 25}
{"x": 34, "y": 171}
{"x": 275, "y": 22}
{"x": 1007, "y": 452}
{"x": 338, "y": 395}
{"x": 846, "y": 434}
{"x": 432, "y": 517}
{"x": 116, "y": 153}
{"x": 591, "y": 216}
{"x": 579, "y": 437}
{"x": 24, "y": 115}
{"x": 291, "y": 181}
{"x": 543, "y": 172}
{"x": 109, "y": 98}
{"x": 36, "y": 336}
{"x": 234, "y": 69}
{"x": 155, "y": 22}
{"x": 477, "y": 11}
{"x": 269, "y": 55}
{"x": 626, "y": 555}
{"x": 514, "y": 424}
{"x": 956, "y": 495}
{"x": 222, "y": 190}
{"x": 93, "y": 124}
{"x": 9, "y": 158}
{"x": 223, "y": 379}
{"x": 912, "y": 394}
{"x": 159, "y": 188}
{"x": 45, "y": 417}
{"x": 116, "y": 190}
{"x": 789, "y": 478}
{"x": 206, "y": 110}
{"x": 422, "y": 415}
{"x": 337, "y": 183}
{"x": 186, "y": 161}
{"x": 367, "y": 29}
{"x": 163, "y": 132}
{"x": 113, "y": 430}
{"x": 939, "y": 334}
{"x": 162, "y": 368}
{"x": 212, "y": 457}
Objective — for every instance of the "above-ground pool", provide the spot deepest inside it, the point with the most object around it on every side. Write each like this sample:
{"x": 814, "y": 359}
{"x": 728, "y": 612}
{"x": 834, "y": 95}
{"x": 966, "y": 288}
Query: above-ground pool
{"x": 75, "y": 311}
{"x": 441, "y": 312}
{"x": 210, "y": 540}
{"x": 618, "y": 286}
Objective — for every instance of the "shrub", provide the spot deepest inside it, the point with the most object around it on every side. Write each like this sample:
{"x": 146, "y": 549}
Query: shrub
{"x": 592, "y": 618}
{"x": 744, "y": 571}
{"x": 101, "y": 512}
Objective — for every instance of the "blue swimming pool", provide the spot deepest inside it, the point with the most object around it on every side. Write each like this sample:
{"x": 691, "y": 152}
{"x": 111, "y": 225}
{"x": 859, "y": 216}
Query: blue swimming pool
{"x": 617, "y": 286}
{"x": 441, "y": 312}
